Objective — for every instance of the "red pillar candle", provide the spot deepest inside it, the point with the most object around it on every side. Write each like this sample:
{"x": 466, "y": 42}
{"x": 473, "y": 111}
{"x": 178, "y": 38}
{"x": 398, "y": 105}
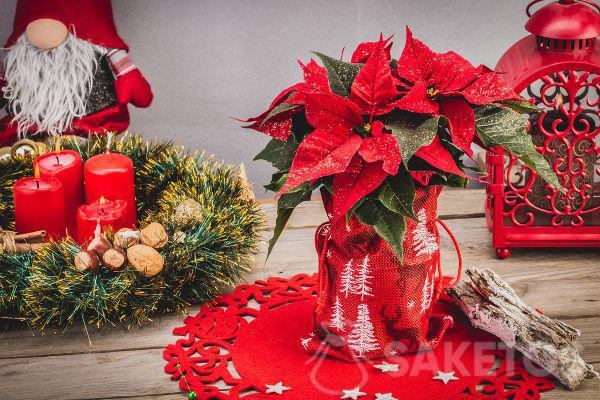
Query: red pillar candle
{"x": 111, "y": 175}
{"x": 40, "y": 205}
{"x": 67, "y": 167}
{"x": 105, "y": 212}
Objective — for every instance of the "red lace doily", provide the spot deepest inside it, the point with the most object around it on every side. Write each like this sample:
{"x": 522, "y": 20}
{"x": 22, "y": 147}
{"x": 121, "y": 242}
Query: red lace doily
{"x": 248, "y": 341}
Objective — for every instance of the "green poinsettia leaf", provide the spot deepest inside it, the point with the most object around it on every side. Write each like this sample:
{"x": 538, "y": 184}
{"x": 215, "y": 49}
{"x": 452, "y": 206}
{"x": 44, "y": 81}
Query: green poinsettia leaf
{"x": 285, "y": 207}
{"x": 300, "y": 126}
{"x": 352, "y": 211}
{"x": 520, "y": 106}
{"x": 501, "y": 126}
{"x": 398, "y": 194}
{"x": 283, "y": 216}
{"x": 296, "y": 196}
{"x": 449, "y": 180}
{"x": 279, "y": 109}
{"x": 388, "y": 224}
{"x": 413, "y": 134}
{"x": 340, "y": 74}
{"x": 277, "y": 181}
{"x": 279, "y": 153}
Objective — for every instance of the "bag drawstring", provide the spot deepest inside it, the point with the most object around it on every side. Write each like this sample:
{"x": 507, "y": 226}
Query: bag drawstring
{"x": 441, "y": 284}
{"x": 321, "y": 244}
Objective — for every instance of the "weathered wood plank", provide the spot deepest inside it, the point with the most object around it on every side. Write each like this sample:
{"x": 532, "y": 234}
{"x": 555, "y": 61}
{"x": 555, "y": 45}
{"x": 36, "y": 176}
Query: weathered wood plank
{"x": 128, "y": 374}
{"x": 559, "y": 282}
{"x": 452, "y": 204}
{"x": 85, "y": 376}
{"x": 24, "y": 343}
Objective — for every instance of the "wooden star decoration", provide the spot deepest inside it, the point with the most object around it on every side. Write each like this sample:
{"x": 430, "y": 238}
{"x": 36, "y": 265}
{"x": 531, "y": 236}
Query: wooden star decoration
{"x": 386, "y": 396}
{"x": 445, "y": 377}
{"x": 277, "y": 388}
{"x": 387, "y": 367}
{"x": 352, "y": 394}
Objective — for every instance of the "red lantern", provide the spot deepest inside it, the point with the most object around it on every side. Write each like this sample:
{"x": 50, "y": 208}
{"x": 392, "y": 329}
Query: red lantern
{"x": 558, "y": 67}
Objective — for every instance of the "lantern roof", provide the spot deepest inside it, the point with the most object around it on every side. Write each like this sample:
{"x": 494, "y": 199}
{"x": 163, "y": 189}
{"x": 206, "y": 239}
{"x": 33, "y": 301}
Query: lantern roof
{"x": 565, "y": 19}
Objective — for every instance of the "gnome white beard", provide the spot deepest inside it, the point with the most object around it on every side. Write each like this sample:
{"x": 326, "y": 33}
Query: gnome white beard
{"x": 48, "y": 89}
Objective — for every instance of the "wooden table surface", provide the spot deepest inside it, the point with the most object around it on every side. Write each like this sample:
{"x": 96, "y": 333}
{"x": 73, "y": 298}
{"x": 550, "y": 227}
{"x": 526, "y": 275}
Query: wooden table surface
{"x": 563, "y": 283}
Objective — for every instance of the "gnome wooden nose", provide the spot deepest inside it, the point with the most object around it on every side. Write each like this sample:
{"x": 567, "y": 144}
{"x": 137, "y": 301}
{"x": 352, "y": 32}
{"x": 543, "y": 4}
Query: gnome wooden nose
{"x": 46, "y": 33}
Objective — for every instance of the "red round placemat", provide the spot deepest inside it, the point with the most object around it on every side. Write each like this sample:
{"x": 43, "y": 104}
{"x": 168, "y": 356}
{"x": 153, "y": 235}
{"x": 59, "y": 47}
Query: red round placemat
{"x": 248, "y": 345}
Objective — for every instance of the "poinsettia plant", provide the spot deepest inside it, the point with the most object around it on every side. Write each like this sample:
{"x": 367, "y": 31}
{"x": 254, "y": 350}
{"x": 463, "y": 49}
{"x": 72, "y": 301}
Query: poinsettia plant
{"x": 373, "y": 130}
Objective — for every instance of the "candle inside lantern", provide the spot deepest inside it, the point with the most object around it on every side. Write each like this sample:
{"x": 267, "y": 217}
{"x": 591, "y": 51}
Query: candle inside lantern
{"x": 67, "y": 167}
{"x": 40, "y": 205}
{"x": 104, "y": 212}
{"x": 111, "y": 175}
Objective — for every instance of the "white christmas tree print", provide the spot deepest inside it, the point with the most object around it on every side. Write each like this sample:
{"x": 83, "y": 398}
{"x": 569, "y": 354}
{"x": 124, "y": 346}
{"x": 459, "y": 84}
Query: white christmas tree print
{"x": 427, "y": 294}
{"x": 362, "y": 286}
{"x": 307, "y": 340}
{"x": 362, "y": 337}
{"x": 347, "y": 279}
{"x": 425, "y": 242}
{"x": 337, "y": 318}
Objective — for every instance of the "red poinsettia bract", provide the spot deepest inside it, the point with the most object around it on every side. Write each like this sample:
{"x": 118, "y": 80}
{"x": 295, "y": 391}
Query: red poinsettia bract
{"x": 447, "y": 84}
{"x": 280, "y": 125}
{"x": 359, "y": 164}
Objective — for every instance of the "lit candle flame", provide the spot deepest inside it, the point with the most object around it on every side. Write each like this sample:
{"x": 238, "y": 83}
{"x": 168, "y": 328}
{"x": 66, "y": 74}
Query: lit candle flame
{"x": 36, "y": 172}
{"x": 102, "y": 200}
{"x": 57, "y": 144}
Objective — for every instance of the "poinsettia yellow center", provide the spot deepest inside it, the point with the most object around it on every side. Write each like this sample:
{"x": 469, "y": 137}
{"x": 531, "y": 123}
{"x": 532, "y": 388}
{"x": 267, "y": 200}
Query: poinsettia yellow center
{"x": 432, "y": 92}
{"x": 367, "y": 127}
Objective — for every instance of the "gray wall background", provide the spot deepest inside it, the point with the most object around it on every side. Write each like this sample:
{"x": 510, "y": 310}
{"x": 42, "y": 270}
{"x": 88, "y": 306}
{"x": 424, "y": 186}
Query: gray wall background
{"x": 211, "y": 60}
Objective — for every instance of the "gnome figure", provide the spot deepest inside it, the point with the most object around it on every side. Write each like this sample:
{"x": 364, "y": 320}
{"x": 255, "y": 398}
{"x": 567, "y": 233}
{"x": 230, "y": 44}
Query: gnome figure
{"x": 67, "y": 71}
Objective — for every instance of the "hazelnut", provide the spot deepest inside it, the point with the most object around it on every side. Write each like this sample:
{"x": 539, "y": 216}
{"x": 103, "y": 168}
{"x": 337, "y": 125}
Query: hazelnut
{"x": 114, "y": 260}
{"x": 99, "y": 245}
{"x": 86, "y": 261}
{"x": 126, "y": 237}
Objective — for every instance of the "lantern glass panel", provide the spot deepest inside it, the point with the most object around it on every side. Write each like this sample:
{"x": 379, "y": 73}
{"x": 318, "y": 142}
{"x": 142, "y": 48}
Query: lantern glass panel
{"x": 566, "y": 133}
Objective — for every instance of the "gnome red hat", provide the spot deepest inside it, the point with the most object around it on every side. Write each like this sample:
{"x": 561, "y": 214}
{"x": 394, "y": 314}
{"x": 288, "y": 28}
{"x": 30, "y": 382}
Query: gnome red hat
{"x": 89, "y": 20}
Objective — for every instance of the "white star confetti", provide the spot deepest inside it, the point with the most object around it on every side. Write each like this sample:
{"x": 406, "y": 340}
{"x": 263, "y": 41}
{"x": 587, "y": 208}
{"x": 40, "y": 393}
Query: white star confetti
{"x": 277, "y": 388}
{"x": 445, "y": 377}
{"x": 387, "y": 367}
{"x": 352, "y": 394}
{"x": 386, "y": 396}
{"x": 411, "y": 304}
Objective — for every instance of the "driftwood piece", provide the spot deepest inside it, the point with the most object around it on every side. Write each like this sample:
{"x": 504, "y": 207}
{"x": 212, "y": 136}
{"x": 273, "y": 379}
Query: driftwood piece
{"x": 492, "y": 305}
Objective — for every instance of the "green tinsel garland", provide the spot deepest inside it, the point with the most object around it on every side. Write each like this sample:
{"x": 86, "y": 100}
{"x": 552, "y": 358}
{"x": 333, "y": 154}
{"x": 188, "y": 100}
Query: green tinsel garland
{"x": 46, "y": 290}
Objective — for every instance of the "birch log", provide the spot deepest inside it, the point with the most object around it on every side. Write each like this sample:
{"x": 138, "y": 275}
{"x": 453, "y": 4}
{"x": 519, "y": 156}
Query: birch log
{"x": 492, "y": 305}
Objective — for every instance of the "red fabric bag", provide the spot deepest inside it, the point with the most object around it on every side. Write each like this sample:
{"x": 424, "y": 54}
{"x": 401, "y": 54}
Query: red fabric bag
{"x": 369, "y": 304}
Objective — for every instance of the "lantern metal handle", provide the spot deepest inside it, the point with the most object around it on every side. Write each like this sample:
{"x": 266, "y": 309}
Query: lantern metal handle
{"x": 590, "y": 3}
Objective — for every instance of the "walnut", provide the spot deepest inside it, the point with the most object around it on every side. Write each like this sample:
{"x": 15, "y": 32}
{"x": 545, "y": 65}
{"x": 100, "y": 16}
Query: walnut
{"x": 99, "y": 245}
{"x": 126, "y": 237}
{"x": 145, "y": 259}
{"x": 154, "y": 235}
{"x": 86, "y": 261}
{"x": 114, "y": 260}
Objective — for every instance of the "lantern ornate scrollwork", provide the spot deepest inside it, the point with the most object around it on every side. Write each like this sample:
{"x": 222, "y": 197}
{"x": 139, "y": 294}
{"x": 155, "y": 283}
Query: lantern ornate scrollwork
{"x": 558, "y": 68}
